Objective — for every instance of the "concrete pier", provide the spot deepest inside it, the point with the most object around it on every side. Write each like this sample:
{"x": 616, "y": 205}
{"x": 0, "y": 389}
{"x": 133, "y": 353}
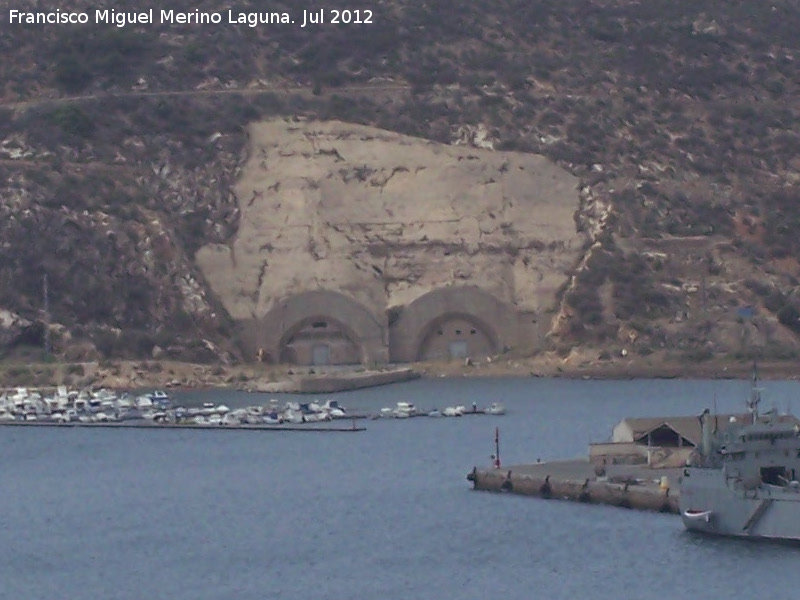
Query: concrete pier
{"x": 625, "y": 486}
{"x": 326, "y": 384}
{"x": 332, "y": 382}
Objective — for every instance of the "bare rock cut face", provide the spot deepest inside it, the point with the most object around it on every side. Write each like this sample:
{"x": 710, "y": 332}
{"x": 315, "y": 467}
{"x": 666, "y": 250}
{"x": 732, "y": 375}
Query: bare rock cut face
{"x": 361, "y": 245}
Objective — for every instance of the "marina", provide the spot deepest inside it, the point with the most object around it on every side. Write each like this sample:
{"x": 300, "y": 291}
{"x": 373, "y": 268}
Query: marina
{"x": 201, "y": 515}
{"x": 185, "y": 426}
{"x": 108, "y": 408}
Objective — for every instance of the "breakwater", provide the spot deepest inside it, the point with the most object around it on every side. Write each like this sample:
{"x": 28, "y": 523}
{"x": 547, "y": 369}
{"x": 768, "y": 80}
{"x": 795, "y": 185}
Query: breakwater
{"x": 628, "y": 487}
{"x": 328, "y": 383}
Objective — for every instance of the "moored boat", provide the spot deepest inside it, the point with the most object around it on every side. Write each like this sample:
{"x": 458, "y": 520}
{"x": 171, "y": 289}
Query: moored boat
{"x": 495, "y": 408}
{"x": 743, "y": 479}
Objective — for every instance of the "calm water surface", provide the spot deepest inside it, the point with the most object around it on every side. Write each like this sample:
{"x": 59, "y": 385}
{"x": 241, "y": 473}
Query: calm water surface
{"x": 386, "y": 513}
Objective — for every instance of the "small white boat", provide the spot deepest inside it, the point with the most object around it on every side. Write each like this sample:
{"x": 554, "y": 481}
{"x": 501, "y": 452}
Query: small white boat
{"x": 239, "y": 413}
{"x": 310, "y": 409}
{"x": 334, "y": 409}
{"x": 251, "y": 419}
{"x": 231, "y": 419}
{"x": 496, "y": 408}
{"x": 453, "y": 411}
{"x": 123, "y": 402}
{"x": 697, "y": 515}
{"x": 272, "y": 418}
{"x": 293, "y": 416}
{"x": 160, "y": 398}
{"x": 142, "y": 402}
{"x": 316, "y": 417}
{"x": 407, "y": 408}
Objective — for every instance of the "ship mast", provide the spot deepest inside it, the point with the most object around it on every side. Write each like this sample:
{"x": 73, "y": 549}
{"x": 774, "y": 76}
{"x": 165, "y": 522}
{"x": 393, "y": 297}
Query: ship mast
{"x": 755, "y": 395}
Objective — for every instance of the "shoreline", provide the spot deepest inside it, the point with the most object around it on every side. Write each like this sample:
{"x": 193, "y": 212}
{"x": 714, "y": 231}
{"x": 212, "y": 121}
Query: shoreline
{"x": 140, "y": 374}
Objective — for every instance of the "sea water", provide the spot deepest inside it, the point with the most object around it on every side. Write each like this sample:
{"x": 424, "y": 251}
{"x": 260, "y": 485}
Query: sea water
{"x": 384, "y": 513}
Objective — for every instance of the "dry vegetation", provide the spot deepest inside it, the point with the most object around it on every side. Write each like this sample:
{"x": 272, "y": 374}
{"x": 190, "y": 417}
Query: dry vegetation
{"x": 679, "y": 117}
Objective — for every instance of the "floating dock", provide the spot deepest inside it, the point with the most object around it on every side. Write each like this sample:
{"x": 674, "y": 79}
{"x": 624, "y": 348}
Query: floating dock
{"x": 626, "y": 486}
{"x": 148, "y": 425}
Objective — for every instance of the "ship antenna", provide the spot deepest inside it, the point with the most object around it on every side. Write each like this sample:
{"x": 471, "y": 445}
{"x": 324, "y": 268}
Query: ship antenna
{"x": 755, "y": 394}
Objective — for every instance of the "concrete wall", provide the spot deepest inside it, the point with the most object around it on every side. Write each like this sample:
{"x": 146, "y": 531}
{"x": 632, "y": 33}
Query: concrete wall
{"x": 633, "y": 453}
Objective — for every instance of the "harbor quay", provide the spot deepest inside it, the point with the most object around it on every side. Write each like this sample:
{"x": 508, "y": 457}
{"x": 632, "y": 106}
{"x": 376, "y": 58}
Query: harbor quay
{"x": 625, "y": 486}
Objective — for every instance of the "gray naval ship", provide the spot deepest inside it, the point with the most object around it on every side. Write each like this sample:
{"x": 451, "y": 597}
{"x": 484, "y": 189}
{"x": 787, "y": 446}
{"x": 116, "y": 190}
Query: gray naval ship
{"x": 743, "y": 479}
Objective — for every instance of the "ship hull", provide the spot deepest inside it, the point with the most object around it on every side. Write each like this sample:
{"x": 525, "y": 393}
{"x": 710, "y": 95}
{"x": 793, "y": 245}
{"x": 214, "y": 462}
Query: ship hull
{"x": 710, "y": 503}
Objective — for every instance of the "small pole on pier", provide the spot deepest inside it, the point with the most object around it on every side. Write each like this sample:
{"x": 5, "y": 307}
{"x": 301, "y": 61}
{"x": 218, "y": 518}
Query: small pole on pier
{"x": 496, "y": 447}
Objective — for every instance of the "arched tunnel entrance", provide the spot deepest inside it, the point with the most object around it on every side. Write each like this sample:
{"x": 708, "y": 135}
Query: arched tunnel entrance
{"x": 318, "y": 327}
{"x": 450, "y": 323}
{"x": 320, "y": 340}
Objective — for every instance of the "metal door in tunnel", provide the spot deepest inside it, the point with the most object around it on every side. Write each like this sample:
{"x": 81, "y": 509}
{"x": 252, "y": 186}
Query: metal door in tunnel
{"x": 321, "y": 354}
{"x": 458, "y": 349}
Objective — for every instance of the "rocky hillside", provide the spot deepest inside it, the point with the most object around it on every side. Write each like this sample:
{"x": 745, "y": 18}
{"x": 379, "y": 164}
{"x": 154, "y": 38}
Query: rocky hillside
{"x": 120, "y": 149}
